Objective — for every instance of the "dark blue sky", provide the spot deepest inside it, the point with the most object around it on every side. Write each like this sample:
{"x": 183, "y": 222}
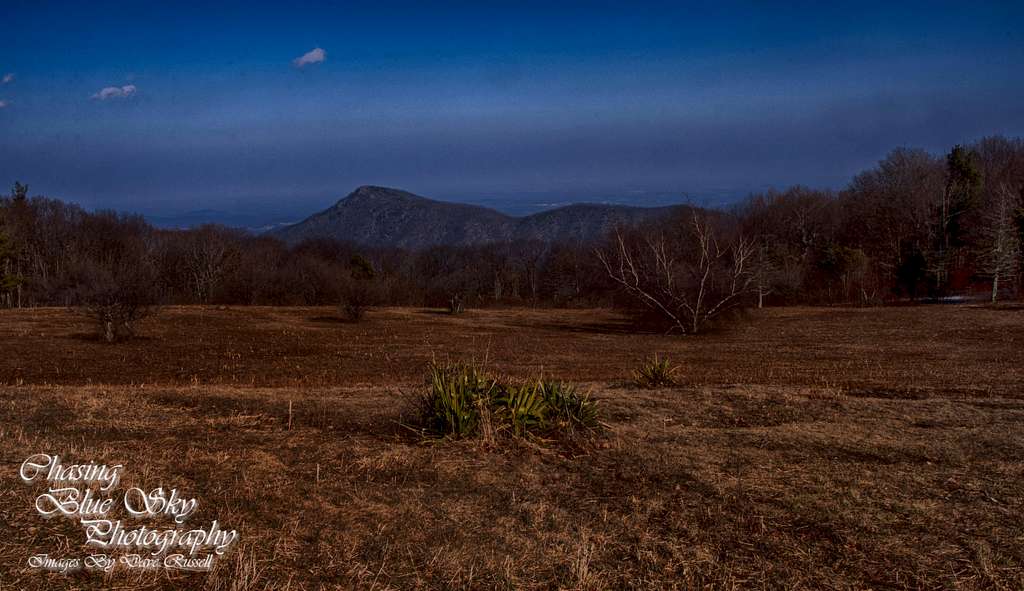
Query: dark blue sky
{"x": 536, "y": 102}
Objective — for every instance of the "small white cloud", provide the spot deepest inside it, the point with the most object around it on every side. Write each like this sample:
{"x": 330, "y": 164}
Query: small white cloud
{"x": 7, "y": 79}
{"x": 313, "y": 56}
{"x": 115, "y": 92}
{"x": 3, "y": 104}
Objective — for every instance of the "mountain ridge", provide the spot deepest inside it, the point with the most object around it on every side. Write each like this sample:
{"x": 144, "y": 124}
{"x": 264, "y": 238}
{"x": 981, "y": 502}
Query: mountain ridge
{"x": 381, "y": 216}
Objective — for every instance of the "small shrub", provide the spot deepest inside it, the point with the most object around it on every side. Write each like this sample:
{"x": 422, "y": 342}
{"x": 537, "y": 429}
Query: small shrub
{"x": 357, "y": 296}
{"x": 464, "y": 402}
{"x": 115, "y": 299}
{"x": 352, "y": 310}
{"x": 568, "y": 407}
{"x": 458, "y": 394}
{"x": 456, "y": 305}
{"x": 654, "y": 373}
{"x": 360, "y": 291}
{"x": 115, "y": 321}
{"x": 523, "y": 407}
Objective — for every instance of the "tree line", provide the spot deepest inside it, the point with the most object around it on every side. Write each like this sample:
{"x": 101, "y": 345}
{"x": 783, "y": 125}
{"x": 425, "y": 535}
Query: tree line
{"x": 917, "y": 225}
{"x": 54, "y": 253}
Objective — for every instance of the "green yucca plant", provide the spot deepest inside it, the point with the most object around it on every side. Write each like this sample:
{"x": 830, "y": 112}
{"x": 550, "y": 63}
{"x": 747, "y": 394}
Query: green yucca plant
{"x": 524, "y": 407}
{"x": 462, "y": 401}
{"x": 654, "y": 373}
{"x": 453, "y": 402}
{"x": 569, "y": 407}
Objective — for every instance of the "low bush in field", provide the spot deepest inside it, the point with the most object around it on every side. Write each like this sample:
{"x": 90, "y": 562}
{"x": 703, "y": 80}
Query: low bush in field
{"x": 116, "y": 300}
{"x": 463, "y": 401}
{"x": 567, "y": 407}
{"x": 654, "y": 373}
{"x": 456, "y": 305}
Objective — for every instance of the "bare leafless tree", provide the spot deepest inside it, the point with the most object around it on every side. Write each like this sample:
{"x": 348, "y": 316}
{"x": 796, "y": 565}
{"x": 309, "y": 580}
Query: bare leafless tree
{"x": 763, "y": 271}
{"x": 116, "y": 315}
{"x": 209, "y": 254}
{"x": 119, "y": 293}
{"x": 689, "y": 278}
{"x": 1001, "y": 244}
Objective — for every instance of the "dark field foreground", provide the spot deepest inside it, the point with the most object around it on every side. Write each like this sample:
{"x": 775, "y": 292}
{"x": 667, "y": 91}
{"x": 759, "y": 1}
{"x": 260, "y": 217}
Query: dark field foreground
{"x": 809, "y": 449}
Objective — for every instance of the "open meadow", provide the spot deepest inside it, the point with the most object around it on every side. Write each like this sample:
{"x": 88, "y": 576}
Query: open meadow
{"x": 807, "y": 448}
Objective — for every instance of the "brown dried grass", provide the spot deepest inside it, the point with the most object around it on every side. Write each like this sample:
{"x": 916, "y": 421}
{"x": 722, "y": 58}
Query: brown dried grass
{"x": 842, "y": 449}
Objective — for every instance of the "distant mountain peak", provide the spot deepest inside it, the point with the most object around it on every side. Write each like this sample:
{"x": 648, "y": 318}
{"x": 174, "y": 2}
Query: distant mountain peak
{"x": 384, "y": 216}
{"x": 377, "y": 193}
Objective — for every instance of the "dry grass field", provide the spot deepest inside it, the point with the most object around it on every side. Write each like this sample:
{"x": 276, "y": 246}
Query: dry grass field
{"x": 808, "y": 448}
